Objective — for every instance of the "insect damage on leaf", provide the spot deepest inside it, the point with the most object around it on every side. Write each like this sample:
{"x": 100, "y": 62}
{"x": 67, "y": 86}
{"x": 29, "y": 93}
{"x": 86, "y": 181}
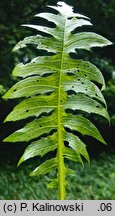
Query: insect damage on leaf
{"x": 53, "y": 84}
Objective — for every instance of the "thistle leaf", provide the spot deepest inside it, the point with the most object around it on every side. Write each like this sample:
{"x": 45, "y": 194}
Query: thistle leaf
{"x": 57, "y": 91}
{"x": 37, "y": 40}
{"x": 77, "y": 145}
{"x": 71, "y": 155}
{"x": 41, "y": 126}
{"x": 40, "y": 148}
{"x": 53, "y": 183}
{"x": 85, "y": 40}
{"x": 46, "y": 167}
{"x": 83, "y": 126}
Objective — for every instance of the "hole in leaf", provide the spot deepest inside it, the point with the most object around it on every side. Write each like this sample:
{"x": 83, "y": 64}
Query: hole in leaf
{"x": 27, "y": 111}
{"x": 72, "y": 131}
{"x": 85, "y": 89}
{"x": 78, "y": 79}
{"x": 14, "y": 90}
{"x": 53, "y": 131}
{"x": 46, "y": 114}
{"x": 72, "y": 86}
{"x": 82, "y": 83}
{"x": 40, "y": 125}
{"x": 68, "y": 129}
{"x": 66, "y": 143}
{"x": 48, "y": 93}
{"x": 70, "y": 92}
{"x": 37, "y": 81}
{"x": 46, "y": 134}
{"x": 98, "y": 106}
{"x": 96, "y": 95}
{"x": 47, "y": 74}
{"x": 87, "y": 65}
{"x": 70, "y": 74}
{"x": 78, "y": 70}
{"x": 85, "y": 75}
{"x": 70, "y": 18}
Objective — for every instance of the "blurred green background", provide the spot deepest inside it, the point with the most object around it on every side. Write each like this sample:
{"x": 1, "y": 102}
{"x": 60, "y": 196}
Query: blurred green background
{"x": 94, "y": 182}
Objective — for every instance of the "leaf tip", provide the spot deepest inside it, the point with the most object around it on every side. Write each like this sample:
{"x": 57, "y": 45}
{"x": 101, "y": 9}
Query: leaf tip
{"x": 20, "y": 161}
{"x": 14, "y": 49}
{"x": 6, "y": 119}
{"x": 4, "y": 140}
{"x": 4, "y": 97}
{"x": 32, "y": 174}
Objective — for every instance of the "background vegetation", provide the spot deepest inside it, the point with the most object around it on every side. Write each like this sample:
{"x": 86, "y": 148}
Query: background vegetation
{"x": 95, "y": 182}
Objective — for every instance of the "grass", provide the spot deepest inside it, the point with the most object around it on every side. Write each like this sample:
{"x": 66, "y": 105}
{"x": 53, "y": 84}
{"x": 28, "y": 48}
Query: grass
{"x": 92, "y": 182}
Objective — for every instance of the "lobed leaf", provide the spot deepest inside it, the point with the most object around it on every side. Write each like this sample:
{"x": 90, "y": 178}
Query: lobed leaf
{"x": 85, "y": 40}
{"x": 33, "y": 86}
{"x": 72, "y": 155}
{"x": 33, "y": 107}
{"x": 43, "y": 29}
{"x": 53, "y": 183}
{"x": 82, "y": 125}
{"x": 39, "y": 41}
{"x": 66, "y": 10}
{"x": 83, "y": 86}
{"x": 46, "y": 167}
{"x": 54, "y": 90}
{"x": 41, "y": 126}
{"x": 85, "y": 103}
{"x": 40, "y": 147}
{"x": 57, "y": 19}
{"x": 77, "y": 145}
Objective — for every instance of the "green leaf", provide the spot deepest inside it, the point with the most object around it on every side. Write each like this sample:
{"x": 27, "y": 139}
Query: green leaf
{"x": 78, "y": 68}
{"x": 74, "y": 23}
{"x": 83, "y": 86}
{"x": 76, "y": 144}
{"x": 46, "y": 167}
{"x": 38, "y": 66}
{"x": 57, "y": 91}
{"x": 46, "y": 30}
{"x": 40, "y": 148}
{"x": 33, "y": 86}
{"x": 85, "y": 40}
{"x": 82, "y": 125}
{"x": 72, "y": 155}
{"x": 85, "y": 103}
{"x": 40, "y": 126}
{"x": 53, "y": 183}
{"x": 39, "y": 41}
{"x": 66, "y": 10}
{"x": 33, "y": 107}
{"x": 57, "y": 19}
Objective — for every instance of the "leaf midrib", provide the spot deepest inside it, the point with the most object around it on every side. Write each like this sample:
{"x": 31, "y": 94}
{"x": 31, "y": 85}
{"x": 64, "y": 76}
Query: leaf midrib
{"x": 61, "y": 168}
